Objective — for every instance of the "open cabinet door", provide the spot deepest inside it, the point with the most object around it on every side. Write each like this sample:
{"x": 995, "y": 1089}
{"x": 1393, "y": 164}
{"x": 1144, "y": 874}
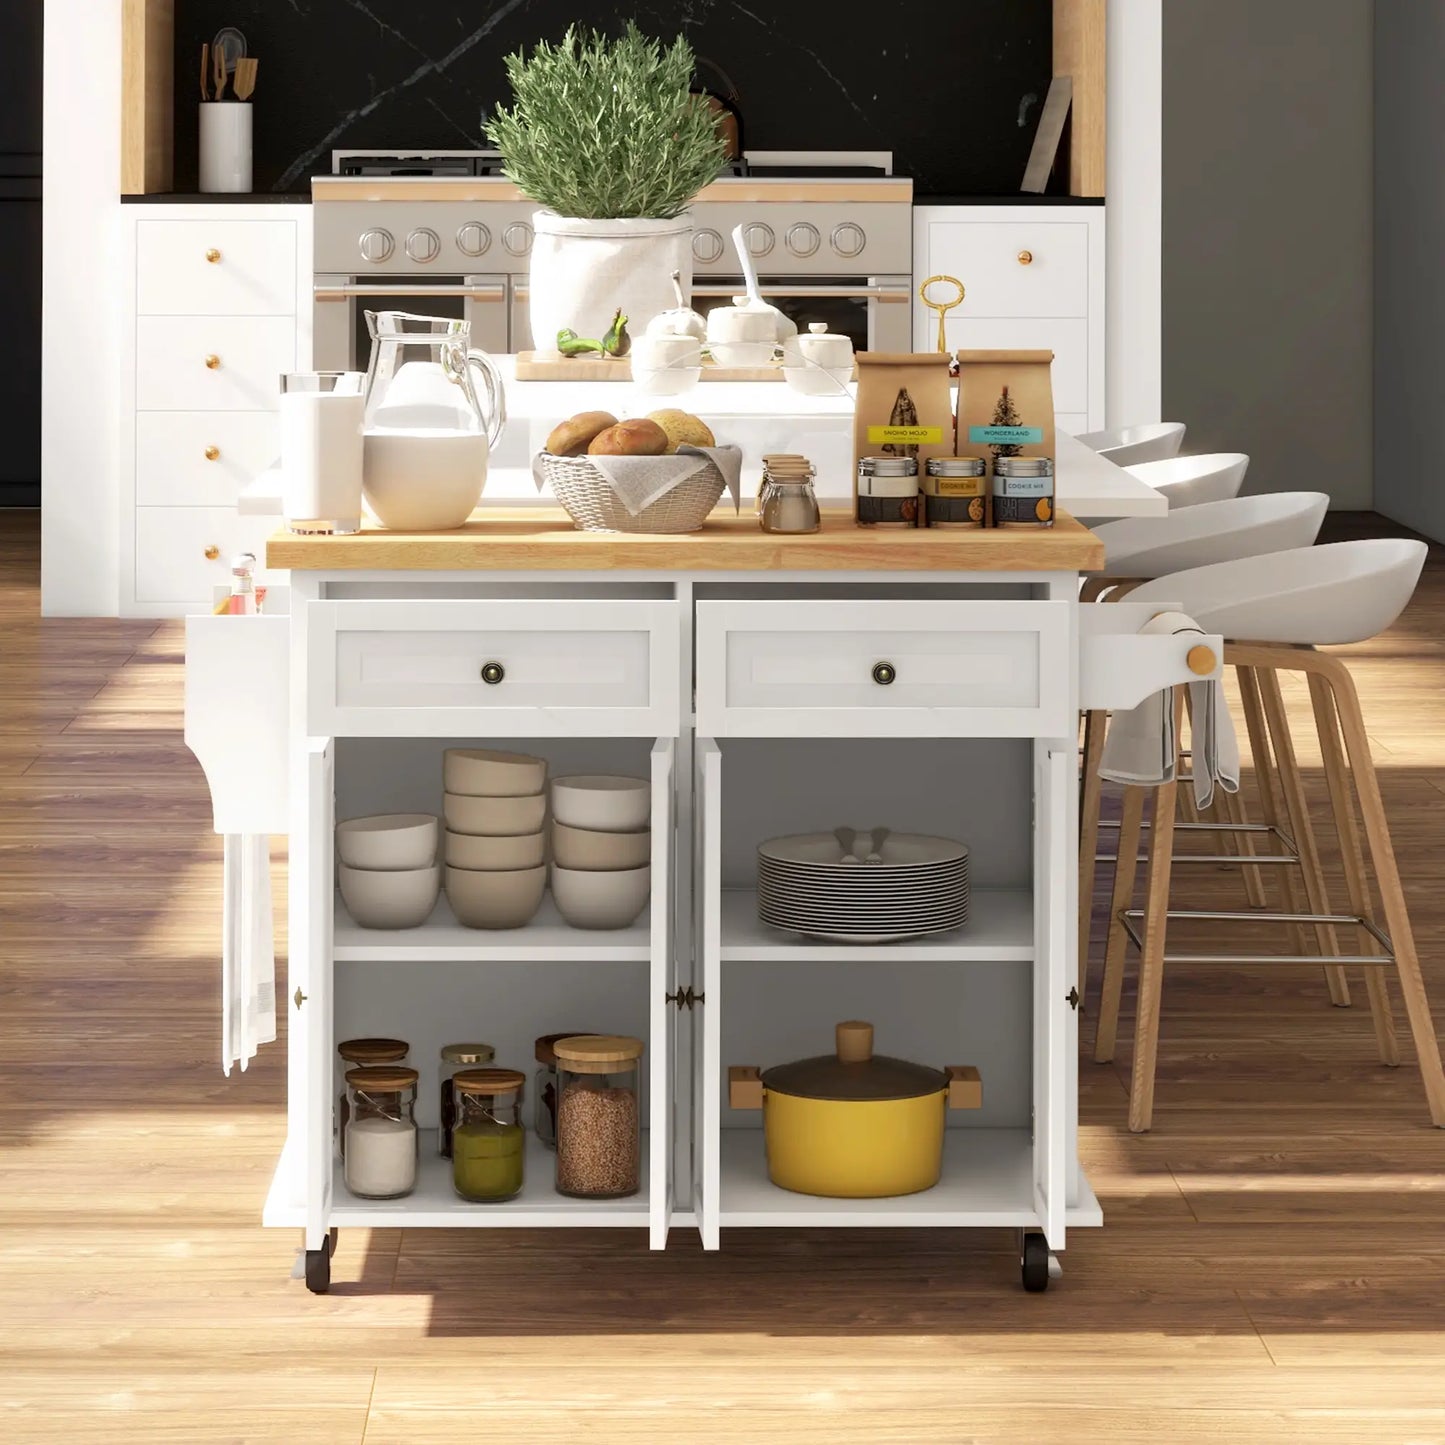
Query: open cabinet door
{"x": 1053, "y": 930}
{"x": 707, "y": 1015}
{"x": 312, "y": 1000}
{"x": 662, "y": 979}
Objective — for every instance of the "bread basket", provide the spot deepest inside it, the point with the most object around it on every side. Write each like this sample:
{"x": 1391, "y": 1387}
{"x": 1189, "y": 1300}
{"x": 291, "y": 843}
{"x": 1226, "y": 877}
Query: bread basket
{"x": 587, "y": 497}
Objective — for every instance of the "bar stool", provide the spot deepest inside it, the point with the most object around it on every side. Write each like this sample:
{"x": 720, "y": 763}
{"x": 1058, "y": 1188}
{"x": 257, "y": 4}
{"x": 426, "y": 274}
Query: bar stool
{"x": 1189, "y": 481}
{"x": 1125, "y": 445}
{"x": 1142, "y": 548}
{"x": 1316, "y": 596}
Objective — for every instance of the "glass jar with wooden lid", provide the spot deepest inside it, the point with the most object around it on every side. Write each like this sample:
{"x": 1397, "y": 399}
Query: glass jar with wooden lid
{"x": 360, "y": 1054}
{"x": 599, "y": 1116}
{"x": 381, "y": 1141}
{"x": 453, "y": 1058}
{"x": 544, "y": 1087}
{"x": 488, "y": 1141}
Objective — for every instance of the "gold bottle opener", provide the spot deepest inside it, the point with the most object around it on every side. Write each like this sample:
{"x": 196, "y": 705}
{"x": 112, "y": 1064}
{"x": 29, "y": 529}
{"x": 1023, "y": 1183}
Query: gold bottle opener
{"x": 942, "y": 307}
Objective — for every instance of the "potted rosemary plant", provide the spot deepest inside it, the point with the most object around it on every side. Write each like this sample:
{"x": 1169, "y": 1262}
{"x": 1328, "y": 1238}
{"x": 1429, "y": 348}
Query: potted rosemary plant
{"x": 604, "y": 134}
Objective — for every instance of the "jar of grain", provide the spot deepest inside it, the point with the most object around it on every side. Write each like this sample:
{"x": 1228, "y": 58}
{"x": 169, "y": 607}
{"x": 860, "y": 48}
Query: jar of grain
{"x": 380, "y": 1136}
{"x": 599, "y": 1130}
{"x": 453, "y": 1058}
{"x": 544, "y": 1087}
{"x": 488, "y": 1141}
{"x": 360, "y": 1054}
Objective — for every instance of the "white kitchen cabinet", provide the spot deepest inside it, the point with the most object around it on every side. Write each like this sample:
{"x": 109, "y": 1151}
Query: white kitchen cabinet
{"x": 1033, "y": 278}
{"x": 182, "y": 555}
{"x": 200, "y": 458}
{"x": 217, "y": 265}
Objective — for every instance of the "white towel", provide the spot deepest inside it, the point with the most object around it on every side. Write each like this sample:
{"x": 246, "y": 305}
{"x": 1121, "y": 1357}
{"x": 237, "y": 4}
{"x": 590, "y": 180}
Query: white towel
{"x": 248, "y": 955}
{"x": 1141, "y": 746}
{"x": 641, "y": 481}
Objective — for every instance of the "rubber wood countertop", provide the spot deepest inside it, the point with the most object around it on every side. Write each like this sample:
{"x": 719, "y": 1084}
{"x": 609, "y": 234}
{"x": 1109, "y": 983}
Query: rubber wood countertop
{"x": 543, "y": 539}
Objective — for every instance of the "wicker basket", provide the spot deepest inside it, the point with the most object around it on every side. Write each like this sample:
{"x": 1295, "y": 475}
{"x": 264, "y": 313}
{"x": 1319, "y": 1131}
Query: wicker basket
{"x": 588, "y": 498}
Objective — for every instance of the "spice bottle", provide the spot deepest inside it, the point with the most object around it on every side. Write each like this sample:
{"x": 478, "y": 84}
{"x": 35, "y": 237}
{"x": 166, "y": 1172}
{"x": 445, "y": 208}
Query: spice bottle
{"x": 887, "y": 491}
{"x": 488, "y": 1141}
{"x": 380, "y": 1135}
{"x": 955, "y": 492}
{"x": 599, "y": 1129}
{"x": 360, "y": 1053}
{"x": 1023, "y": 492}
{"x": 544, "y": 1087}
{"x": 453, "y": 1058}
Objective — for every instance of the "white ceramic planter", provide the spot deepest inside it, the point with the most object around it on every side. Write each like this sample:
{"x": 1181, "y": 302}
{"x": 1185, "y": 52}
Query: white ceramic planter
{"x": 583, "y": 270}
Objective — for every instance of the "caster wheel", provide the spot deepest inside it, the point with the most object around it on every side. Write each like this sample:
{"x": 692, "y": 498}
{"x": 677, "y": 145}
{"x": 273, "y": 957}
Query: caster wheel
{"x": 1034, "y": 1263}
{"x": 334, "y": 1238}
{"x": 318, "y": 1269}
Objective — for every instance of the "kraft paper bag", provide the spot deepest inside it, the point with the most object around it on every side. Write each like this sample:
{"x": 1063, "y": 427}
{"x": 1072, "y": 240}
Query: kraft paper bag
{"x": 1005, "y": 404}
{"x": 905, "y": 407}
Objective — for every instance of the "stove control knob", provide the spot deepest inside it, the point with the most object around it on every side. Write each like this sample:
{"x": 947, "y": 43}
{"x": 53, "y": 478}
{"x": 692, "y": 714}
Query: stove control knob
{"x": 423, "y": 245}
{"x": 758, "y": 237}
{"x": 517, "y": 238}
{"x": 707, "y": 246}
{"x": 803, "y": 238}
{"x": 848, "y": 239}
{"x": 376, "y": 246}
{"x": 473, "y": 239}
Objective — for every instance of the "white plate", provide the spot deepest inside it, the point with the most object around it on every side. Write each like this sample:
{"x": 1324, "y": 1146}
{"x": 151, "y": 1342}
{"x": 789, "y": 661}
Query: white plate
{"x": 785, "y": 918}
{"x": 859, "y": 888}
{"x": 900, "y": 850}
{"x": 850, "y": 898}
{"x": 868, "y": 939}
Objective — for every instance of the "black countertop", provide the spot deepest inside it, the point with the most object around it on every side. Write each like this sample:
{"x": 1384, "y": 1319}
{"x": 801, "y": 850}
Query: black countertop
{"x": 220, "y": 198}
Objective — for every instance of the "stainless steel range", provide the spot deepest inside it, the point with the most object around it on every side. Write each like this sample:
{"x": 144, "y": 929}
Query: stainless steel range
{"x": 446, "y": 233}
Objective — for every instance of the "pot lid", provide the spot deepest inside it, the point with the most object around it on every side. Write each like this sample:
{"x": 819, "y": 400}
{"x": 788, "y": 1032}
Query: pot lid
{"x": 854, "y": 1071}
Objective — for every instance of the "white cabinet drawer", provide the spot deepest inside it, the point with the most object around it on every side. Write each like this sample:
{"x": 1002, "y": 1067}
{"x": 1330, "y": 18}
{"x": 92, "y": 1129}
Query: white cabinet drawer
{"x": 190, "y": 458}
{"x": 883, "y": 669}
{"x": 984, "y": 255}
{"x": 1067, "y": 339}
{"x": 172, "y": 544}
{"x": 494, "y": 668}
{"x": 1120, "y": 665}
{"x": 250, "y": 353}
{"x": 253, "y": 272}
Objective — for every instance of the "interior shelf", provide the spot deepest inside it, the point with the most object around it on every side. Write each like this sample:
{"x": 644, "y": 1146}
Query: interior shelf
{"x": 1000, "y": 929}
{"x": 441, "y": 939}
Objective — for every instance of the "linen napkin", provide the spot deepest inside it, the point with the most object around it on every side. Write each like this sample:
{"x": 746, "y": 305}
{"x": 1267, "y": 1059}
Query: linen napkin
{"x": 641, "y": 481}
{"x": 1141, "y": 746}
{"x": 248, "y": 954}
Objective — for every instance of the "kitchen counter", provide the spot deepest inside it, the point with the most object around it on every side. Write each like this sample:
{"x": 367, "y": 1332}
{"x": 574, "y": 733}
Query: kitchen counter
{"x": 543, "y": 539}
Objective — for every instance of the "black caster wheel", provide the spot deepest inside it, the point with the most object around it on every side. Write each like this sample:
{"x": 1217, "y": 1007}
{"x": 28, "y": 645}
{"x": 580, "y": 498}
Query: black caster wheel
{"x": 1034, "y": 1263}
{"x": 318, "y": 1268}
{"x": 334, "y": 1238}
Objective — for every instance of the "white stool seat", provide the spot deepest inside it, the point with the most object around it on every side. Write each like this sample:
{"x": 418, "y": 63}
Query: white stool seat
{"x": 1343, "y": 592}
{"x": 1211, "y": 533}
{"x": 1125, "y": 445}
{"x": 1192, "y": 481}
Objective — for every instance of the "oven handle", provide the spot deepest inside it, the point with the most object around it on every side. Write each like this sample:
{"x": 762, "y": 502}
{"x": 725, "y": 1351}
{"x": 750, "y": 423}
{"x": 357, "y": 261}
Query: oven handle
{"x": 347, "y": 292}
{"x": 808, "y": 293}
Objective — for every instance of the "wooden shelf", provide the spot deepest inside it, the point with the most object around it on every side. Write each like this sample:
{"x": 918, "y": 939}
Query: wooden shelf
{"x": 441, "y": 939}
{"x": 1000, "y": 930}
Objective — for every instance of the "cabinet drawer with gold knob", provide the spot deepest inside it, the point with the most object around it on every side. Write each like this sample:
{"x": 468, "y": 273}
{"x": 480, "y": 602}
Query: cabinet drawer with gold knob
{"x": 212, "y": 363}
{"x": 1034, "y": 268}
{"x": 182, "y": 554}
{"x": 216, "y": 268}
{"x": 201, "y": 459}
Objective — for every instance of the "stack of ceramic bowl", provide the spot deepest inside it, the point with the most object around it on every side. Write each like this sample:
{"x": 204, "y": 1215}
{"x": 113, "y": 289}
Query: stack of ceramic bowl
{"x": 601, "y": 846}
{"x": 387, "y": 867}
{"x": 495, "y": 807}
{"x": 865, "y": 887}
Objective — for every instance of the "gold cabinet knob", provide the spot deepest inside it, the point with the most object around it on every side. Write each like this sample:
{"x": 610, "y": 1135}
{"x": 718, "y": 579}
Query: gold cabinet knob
{"x": 1026, "y": 258}
{"x": 212, "y": 362}
{"x": 213, "y": 454}
{"x": 213, "y": 256}
{"x": 212, "y": 553}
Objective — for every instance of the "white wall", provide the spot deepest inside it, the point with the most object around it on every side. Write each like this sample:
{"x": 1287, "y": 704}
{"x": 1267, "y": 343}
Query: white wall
{"x": 1268, "y": 177}
{"x": 81, "y": 283}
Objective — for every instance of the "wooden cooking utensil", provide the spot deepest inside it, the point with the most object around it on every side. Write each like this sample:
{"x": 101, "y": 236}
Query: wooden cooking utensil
{"x": 942, "y": 307}
{"x": 244, "y": 83}
{"x": 220, "y": 67}
{"x": 205, "y": 70}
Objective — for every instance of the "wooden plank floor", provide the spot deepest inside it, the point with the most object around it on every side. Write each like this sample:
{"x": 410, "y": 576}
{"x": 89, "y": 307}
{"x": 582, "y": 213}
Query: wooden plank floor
{"x": 1273, "y": 1268}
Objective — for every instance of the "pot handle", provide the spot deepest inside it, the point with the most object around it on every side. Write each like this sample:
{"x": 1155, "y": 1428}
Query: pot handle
{"x": 745, "y": 1087}
{"x": 965, "y": 1087}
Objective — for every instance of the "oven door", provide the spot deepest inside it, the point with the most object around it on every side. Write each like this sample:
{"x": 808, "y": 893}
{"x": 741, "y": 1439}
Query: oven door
{"x": 340, "y": 341}
{"x": 873, "y": 312}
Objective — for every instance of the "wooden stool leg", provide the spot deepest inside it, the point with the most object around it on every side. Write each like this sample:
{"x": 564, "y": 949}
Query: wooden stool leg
{"x": 1125, "y": 872}
{"x": 1356, "y": 884}
{"x": 1392, "y": 895}
{"x": 1151, "y": 962}
{"x": 1090, "y": 800}
{"x": 1297, "y": 810}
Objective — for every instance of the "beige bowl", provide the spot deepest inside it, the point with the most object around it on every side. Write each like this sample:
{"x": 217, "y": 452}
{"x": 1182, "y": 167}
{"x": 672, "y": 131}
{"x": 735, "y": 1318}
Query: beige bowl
{"x": 602, "y": 802}
{"x": 483, "y": 773}
{"x": 501, "y": 899}
{"x": 588, "y": 850}
{"x": 388, "y": 841}
{"x": 389, "y": 898}
{"x": 601, "y": 900}
{"x": 494, "y": 817}
{"x": 481, "y": 853}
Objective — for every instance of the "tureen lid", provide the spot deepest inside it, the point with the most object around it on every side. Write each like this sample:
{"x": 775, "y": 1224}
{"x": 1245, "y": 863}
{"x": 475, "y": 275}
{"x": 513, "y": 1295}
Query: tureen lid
{"x": 854, "y": 1072}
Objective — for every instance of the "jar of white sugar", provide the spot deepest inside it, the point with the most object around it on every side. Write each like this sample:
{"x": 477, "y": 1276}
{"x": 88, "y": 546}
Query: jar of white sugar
{"x": 381, "y": 1139}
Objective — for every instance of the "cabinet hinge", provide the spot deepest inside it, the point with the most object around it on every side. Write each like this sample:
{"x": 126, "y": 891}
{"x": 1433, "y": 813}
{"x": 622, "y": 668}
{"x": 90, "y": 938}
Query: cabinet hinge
{"x": 685, "y": 998}
{"x": 1072, "y": 998}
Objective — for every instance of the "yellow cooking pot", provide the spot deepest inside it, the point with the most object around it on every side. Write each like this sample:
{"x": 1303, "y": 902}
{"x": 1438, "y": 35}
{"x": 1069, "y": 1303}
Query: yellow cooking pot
{"x": 852, "y": 1124}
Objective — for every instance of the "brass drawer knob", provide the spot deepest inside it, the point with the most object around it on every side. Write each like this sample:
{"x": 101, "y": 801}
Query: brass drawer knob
{"x": 884, "y": 673}
{"x": 1026, "y": 258}
{"x": 493, "y": 673}
{"x": 212, "y": 553}
{"x": 213, "y": 454}
{"x": 212, "y": 362}
{"x": 213, "y": 256}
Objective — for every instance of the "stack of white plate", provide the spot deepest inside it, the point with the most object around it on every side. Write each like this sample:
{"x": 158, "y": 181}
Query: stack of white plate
{"x": 916, "y": 886}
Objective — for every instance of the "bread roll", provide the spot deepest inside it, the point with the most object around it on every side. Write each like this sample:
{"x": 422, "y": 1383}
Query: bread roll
{"x": 683, "y": 428}
{"x": 571, "y": 438}
{"x": 640, "y": 438}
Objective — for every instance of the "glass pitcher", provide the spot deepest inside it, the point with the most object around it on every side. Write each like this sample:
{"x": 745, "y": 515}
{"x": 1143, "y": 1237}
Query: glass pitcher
{"x": 428, "y": 430}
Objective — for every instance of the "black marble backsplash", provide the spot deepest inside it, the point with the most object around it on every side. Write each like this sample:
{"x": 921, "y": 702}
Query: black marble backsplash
{"x": 951, "y": 87}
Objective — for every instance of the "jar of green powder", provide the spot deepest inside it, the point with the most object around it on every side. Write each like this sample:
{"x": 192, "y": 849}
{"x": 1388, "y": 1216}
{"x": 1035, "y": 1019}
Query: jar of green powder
{"x": 488, "y": 1141}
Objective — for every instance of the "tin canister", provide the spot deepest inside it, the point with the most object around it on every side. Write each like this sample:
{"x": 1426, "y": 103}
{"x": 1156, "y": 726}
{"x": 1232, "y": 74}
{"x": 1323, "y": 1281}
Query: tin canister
{"x": 887, "y": 491}
{"x": 1023, "y": 492}
{"x": 955, "y": 492}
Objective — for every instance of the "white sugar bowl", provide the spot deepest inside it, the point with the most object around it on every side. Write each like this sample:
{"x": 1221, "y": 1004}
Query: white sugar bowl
{"x": 818, "y": 363}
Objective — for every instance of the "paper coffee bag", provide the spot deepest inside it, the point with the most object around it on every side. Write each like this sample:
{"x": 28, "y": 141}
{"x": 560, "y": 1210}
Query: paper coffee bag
{"x": 1005, "y": 404}
{"x": 905, "y": 407}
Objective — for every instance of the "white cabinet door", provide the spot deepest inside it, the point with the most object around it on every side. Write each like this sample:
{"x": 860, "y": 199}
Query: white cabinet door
{"x": 987, "y": 257}
{"x": 183, "y": 554}
{"x": 212, "y": 363}
{"x": 664, "y": 1099}
{"x": 216, "y": 267}
{"x": 310, "y": 971}
{"x": 1055, "y": 1022}
{"x": 201, "y": 459}
{"x": 707, "y": 1037}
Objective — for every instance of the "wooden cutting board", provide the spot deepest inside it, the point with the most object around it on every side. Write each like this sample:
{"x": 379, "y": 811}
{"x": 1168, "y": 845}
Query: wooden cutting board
{"x": 552, "y": 366}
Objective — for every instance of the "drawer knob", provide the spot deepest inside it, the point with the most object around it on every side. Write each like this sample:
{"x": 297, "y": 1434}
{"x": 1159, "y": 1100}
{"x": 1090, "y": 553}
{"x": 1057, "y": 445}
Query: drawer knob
{"x": 213, "y": 454}
{"x": 213, "y": 256}
{"x": 212, "y": 362}
{"x": 212, "y": 553}
{"x": 1201, "y": 660}
{"x": 884, "y": 673}
{"x": 1026, "y": 258}
{"x": 493, "y": 672}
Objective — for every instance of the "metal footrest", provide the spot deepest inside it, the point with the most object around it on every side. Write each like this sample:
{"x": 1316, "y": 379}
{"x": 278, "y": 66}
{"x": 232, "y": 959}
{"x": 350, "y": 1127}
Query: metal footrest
{"x": 1287, "y": 843}
{"x": 1131, "y": 918}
